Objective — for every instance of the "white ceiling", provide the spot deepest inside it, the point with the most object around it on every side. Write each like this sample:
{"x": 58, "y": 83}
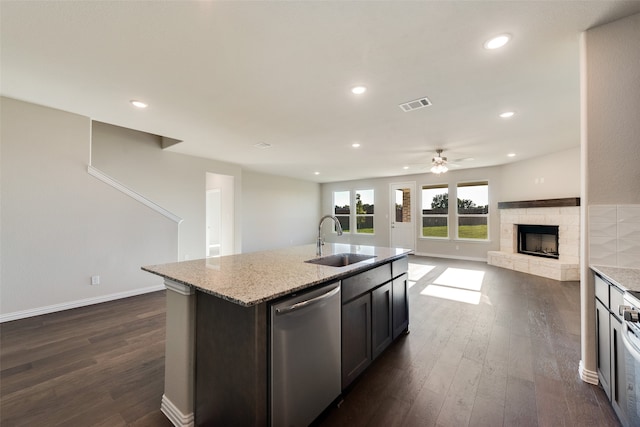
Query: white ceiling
{"x": 223, "y": 76}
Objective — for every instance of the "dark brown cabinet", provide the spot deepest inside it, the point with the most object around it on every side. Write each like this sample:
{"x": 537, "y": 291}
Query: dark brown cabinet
{"x": 375, "y": 311}
{"x": 400, "y": 306}
{"x": 381, "y": 319}
{"x": 356, "y": 338}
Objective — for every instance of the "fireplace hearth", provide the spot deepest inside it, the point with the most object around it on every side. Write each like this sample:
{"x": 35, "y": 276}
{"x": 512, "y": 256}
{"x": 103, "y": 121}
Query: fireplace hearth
{"x": 538, "y": 240}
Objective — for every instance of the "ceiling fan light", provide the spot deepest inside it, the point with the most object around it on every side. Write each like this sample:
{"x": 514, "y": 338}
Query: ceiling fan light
{"x": 439, "y": 168}
{"x": 439, "y": 163}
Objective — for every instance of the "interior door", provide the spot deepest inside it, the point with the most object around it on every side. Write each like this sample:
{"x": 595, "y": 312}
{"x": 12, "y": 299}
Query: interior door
{"x": 213, "y": 223}
{"x": 402, "y": 215}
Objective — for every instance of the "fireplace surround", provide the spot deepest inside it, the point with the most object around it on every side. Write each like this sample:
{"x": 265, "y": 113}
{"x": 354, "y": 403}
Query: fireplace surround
{"x": 561, "y": 213}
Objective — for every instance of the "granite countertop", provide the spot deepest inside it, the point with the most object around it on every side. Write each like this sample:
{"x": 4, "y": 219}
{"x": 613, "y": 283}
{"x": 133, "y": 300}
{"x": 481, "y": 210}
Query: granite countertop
{"x": 253, "y": 278}
{"x": 627, "y": 279}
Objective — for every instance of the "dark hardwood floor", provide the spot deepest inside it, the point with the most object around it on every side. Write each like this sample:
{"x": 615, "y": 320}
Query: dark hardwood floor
{"x": 510, "y": 360}
{"x": 101, "y": 365}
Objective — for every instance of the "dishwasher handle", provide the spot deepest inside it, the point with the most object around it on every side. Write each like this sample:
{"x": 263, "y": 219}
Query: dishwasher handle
{"x": 311, "y": 301}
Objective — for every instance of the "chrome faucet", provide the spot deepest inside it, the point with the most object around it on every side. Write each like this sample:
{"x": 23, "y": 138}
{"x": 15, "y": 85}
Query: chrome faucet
{"x": 319, "y": 243}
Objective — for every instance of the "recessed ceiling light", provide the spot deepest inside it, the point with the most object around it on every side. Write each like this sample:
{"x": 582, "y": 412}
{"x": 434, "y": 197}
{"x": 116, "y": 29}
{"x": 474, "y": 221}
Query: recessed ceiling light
{"x": 507, "y": 114}
{"x": 358, "y": 90}
{"x": 511, "y": 155}
{"x": 138, "y": 104}
{"x": 316, "y": 173}
{"x": 497, "y": 42}
{"x": 406, "y": 167}
{"x": 355, "y": 145}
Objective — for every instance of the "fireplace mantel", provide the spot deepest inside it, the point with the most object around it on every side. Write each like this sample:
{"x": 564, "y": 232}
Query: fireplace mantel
{"x": 545, "y": 203}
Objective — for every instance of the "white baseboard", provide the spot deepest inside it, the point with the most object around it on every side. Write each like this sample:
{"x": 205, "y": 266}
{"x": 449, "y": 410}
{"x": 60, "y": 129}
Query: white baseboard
{"x": 174, "y": 414}
{"x": 464, "y": 258}
{"x": 75, "y": 304}
{"x": 588, "y": 376}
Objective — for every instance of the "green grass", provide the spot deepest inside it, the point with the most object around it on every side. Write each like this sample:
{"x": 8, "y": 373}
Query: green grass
{"x": 365, "y": 230}
{"x": 473, "y": 231}
{"x": 440, "y": 231}
{"x": 464, "y": 231}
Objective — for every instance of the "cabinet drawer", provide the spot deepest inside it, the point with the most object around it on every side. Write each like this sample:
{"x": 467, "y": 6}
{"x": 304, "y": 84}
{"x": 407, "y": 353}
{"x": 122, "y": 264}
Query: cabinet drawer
{"x": 399, "y": 266}
{"x": 365, "y": 281}
{"x": 602, "y": 291}
{"x": 615, "y": 299}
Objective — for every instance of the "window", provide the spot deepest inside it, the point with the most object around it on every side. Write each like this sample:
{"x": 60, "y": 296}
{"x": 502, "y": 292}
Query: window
{"x": 342, "y": 208}
{"x": 403, "y": 205}
{"x": 473, "y": 210}
{"x": 435, "y": 211}
{"x": 364, "y": 211}
{"x": 361, "y": 216}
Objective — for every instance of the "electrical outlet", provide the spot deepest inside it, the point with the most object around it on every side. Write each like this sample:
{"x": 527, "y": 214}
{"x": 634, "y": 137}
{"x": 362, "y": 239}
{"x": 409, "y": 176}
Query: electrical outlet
{"x": 95, "y": 280}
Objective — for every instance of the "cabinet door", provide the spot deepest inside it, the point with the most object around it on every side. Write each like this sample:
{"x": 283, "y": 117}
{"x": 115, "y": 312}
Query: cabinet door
{"x": 604, "y": 349}
{"x": 381, "y": 321}
{"x": 618, "y": 371}
{"x": 400, "y": 306}
{"x": 356, "y": 338}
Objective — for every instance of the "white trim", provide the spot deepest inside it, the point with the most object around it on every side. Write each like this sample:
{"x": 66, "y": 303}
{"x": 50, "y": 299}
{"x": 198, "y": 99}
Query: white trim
{"x": 174, "y": 414}
{"x": 586, "y": 375}
{"x": 16, "y": 315}
{"x": 179, "y": 288}
{"x": 465, "y": 258}
{"x": 129, "y": 192}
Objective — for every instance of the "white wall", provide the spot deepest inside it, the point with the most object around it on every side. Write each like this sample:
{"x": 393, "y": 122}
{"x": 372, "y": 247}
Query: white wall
{"x": 278, "y": 211}
{"x": 176, "y": 182}
{"x": 551, "y": 176}
{"x": 512, "y": 182}
{"x": 613, "y": 112}
{"x": 610, "y": 102}
{"x": 60, "y": 226}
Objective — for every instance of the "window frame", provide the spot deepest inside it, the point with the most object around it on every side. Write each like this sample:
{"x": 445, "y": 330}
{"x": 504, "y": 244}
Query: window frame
{"x": 357, "y": 215}
{"x": 423, "y": 215}
{"x": 337, "y": 215}
{"x": 458, "y": 215}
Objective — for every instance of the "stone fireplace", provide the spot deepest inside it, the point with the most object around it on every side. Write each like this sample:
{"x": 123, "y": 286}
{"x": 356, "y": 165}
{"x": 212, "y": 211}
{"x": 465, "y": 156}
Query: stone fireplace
{"x": 540, "y": 237}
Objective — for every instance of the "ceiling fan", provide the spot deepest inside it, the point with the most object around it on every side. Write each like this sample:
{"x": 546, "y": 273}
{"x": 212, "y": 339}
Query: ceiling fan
{"x": 439, "y": 163}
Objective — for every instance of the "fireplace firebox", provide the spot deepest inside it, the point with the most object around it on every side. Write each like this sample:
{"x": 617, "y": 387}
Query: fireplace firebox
{"x": 538, "y": 240}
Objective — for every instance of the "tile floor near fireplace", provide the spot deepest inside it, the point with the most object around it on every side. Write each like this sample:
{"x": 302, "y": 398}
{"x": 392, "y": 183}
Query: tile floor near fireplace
{"x": 565, "y": 262}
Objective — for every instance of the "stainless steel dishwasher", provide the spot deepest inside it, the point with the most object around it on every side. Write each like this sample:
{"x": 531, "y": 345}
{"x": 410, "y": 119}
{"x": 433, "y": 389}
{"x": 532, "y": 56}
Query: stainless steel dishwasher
{"x": 305, "y": 366}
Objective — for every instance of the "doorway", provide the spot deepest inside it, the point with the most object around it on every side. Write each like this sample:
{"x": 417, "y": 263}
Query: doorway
{"x": 219, "y": 215}
{"x": 402, "y": 217}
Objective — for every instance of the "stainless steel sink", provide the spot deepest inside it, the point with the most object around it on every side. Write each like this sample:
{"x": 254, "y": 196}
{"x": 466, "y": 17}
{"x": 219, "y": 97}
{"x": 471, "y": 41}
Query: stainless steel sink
{"x": 340, "y": 260}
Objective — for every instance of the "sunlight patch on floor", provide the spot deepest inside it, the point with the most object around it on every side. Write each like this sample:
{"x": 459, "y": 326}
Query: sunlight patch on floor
{"x": 460, "y": 295}
{"x": 418, "y": 271}
{"x": 457, "y": 284}
{"x": 461, "y": 278}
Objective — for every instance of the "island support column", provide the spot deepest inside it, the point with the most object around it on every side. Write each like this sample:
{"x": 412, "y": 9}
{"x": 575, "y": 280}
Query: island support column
{"x": 178, "y": 398}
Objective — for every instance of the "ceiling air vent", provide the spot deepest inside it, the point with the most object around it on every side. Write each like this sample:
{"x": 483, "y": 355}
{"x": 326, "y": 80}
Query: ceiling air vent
{"x": 415, "y": 105}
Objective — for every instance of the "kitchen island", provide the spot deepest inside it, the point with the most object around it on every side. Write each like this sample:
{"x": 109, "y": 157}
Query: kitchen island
{"x": 217, "y": 351}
